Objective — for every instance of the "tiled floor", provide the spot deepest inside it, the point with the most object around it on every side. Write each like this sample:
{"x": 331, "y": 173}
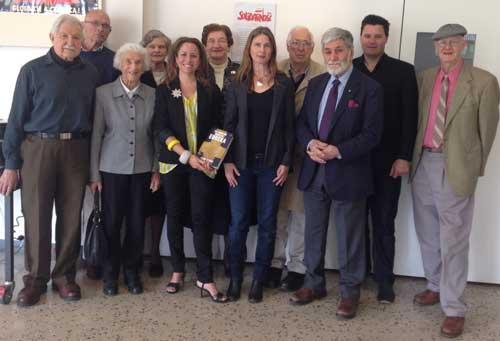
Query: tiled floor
{"x": 156, "y": 315}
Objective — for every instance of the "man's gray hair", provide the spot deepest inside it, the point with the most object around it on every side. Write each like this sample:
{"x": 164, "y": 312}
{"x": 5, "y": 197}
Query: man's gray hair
{"x": 295, "y": 28}
{"x": 336, "y": 33}
{"x": 65, "y": 18}
{"x": 132, "y": 47}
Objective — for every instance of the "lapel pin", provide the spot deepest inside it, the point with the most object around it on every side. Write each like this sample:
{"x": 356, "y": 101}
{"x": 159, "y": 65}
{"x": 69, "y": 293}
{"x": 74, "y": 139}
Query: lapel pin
{"x": 176, "y": 93}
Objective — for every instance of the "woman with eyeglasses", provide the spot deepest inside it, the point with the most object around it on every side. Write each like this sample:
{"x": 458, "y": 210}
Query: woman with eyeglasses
{"x": 218, "y": 40}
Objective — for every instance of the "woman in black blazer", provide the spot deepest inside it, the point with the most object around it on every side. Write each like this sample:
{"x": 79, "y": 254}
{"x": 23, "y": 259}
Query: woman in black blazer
{"x": 260, "y": 113}
{"x": 187, "y": 107}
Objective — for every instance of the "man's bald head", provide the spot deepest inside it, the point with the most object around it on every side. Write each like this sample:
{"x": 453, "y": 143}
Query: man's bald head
{"x": 96, "y": 29}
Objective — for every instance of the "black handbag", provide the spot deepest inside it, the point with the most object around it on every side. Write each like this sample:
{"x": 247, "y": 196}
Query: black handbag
{"x": 95, "y": 248}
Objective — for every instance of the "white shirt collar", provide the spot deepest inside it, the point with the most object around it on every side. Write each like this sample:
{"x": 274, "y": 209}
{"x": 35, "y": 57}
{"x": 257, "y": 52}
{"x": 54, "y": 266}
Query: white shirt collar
{"x": 130, "y": 93}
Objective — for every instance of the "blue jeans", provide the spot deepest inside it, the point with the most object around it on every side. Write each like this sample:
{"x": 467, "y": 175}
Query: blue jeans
{"x": 255, "y": 188}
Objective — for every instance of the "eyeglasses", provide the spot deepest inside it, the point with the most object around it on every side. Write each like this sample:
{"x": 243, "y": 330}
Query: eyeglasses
{"x": 97, "y": 24}
{"x": 218, "y": 41}
{"x": 300, "y": 43}
{"x": 449, "y": 42}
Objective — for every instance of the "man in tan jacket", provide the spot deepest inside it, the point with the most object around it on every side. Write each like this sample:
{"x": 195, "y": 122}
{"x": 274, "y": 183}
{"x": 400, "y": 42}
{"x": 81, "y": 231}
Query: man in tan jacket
{"x": 458, "y": 116}
{"x": 291, "y": 219}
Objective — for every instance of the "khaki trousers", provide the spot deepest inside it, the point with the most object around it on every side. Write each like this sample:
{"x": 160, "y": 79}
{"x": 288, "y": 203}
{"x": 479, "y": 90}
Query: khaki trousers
{"x": 53, "y": 171}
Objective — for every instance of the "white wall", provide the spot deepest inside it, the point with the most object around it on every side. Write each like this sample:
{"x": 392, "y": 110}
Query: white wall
{"x": 130, "y": 18}
{"x": 177, "y": 18}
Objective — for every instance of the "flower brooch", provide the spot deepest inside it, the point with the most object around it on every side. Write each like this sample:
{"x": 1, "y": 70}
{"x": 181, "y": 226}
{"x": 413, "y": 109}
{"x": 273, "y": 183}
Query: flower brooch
{"x": 176, "y": 93}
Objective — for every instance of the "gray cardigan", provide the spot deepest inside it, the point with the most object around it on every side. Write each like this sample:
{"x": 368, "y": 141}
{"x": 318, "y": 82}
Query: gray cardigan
{"x": 122, "y": 135}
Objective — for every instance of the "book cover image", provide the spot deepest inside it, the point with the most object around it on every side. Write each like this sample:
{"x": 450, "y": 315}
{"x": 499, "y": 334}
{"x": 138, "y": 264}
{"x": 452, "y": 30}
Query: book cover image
{"x": 214, "y": 149}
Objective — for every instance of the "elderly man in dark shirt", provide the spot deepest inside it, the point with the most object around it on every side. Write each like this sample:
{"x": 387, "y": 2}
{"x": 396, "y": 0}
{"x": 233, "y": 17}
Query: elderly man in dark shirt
{"x": 47, "y": 145}
{"x": 391, "y": 159}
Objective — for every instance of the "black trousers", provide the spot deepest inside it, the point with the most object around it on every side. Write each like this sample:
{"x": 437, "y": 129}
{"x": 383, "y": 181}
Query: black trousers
{"x": 123, "y": 196}
{"x": 382, "y": 207}
{"x": 191, "y": 192}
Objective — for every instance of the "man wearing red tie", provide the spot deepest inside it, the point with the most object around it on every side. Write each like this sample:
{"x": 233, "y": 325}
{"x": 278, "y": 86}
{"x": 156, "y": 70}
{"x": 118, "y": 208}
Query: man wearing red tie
{"x": 458, "y": 116}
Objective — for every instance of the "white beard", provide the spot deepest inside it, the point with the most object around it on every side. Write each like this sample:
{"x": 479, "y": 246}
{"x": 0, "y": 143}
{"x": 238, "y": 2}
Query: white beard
{"x": 338, "y": 70}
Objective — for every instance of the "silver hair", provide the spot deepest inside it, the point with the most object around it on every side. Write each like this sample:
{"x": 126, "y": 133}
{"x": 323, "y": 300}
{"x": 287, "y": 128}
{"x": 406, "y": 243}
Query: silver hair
{"x": 295, "y": 28}
{"x": 65, "y": 18}
{"x": 336, "y": 33}
{"x": 152, "y": 35}
{"x": 132, "y": 47}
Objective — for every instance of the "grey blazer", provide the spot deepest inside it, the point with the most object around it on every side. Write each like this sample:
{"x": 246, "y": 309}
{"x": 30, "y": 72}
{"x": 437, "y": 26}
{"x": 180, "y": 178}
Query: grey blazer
{"x": 122, "y": 135}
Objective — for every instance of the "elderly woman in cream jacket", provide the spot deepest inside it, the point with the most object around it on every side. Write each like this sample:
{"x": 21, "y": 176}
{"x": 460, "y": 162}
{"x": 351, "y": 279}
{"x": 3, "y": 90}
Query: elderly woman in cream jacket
{"x": 123, "y": 164}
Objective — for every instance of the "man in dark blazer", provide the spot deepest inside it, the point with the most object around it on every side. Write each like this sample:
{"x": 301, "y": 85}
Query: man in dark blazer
{"x": 339, "y": 125}
{"x": 391, "y": 158}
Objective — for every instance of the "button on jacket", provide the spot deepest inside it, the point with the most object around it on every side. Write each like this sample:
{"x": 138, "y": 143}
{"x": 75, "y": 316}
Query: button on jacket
{"x": 122, "y": 138}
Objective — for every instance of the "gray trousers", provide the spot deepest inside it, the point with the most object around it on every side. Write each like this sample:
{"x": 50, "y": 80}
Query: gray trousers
{"x": 289, "y": 236}
{"x": 443, "y": 224}
{"x": 350, "y": 220}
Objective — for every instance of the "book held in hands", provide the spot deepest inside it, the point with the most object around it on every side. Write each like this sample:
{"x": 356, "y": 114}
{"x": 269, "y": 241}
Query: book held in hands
{"x": 214, "y": 149}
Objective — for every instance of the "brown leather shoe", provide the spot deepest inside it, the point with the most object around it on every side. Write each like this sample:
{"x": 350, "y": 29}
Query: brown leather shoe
{"x": 68, "y": 291}
{"x": 426, "y": 297}
{"x": 30, "y": 295}
{"x": 452, "y": 326}
{"x": 347, "y": 308}
{"x": 306, "y": 295}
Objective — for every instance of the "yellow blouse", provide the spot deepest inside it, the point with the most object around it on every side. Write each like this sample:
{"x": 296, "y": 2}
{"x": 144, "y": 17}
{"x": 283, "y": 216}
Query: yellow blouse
{"x": 191, "y": 115}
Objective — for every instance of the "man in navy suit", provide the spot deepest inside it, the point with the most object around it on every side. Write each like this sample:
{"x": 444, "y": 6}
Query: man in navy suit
{"x": 339, "y": 124}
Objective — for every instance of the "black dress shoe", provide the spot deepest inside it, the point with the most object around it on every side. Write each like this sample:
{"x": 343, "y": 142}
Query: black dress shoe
{"x": 134, "y": 285}
{"x": 110, "y": 289}
{"x": 386, "y": 294}
{"x": 292, "y": 282}
{"x": 273, "y": 280}
{"x": 256, "y": 292}
{"x": 234, "y": 290}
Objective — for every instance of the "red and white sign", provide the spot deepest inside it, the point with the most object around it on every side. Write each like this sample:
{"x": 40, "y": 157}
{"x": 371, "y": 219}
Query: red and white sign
{"x": 248, "y": 16}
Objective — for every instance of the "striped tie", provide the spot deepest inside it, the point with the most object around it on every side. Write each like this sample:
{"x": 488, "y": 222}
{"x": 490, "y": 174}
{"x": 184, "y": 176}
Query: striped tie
{"x": 437, "y": 137}
{"x": 331, "y": 103}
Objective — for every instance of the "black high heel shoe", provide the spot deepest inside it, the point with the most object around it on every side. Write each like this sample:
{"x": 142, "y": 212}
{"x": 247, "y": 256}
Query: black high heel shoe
{"x": 217, "y": 298}
{"x": 174, "y": 287}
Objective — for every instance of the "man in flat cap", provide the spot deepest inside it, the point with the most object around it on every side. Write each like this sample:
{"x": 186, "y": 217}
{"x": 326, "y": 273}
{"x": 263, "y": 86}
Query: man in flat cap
{"x": 458, "y": 116}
